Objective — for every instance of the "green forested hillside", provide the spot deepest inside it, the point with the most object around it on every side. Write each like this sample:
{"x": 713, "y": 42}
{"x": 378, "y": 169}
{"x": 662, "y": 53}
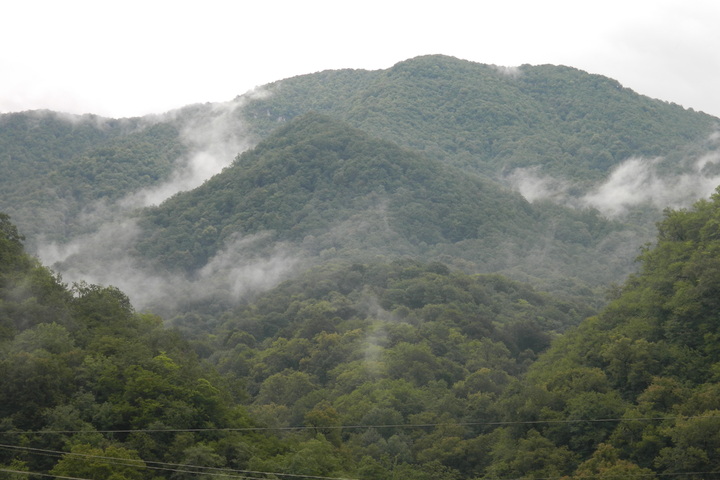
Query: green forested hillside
{"x": 478, "y": 117}
{"x": 331, "y": 191}
{"x": 76, "y": 362}
{"x": 317, "y": 173}
{"x": 492, "y": 119}
{"x": 371, "y": 370}
{"x": 436, "y": 326}
{"x": 382, "y": 347}
{"x": 647, "y": 365}
{"x": 54, "y": 166}
{"x": 350, "y": 371}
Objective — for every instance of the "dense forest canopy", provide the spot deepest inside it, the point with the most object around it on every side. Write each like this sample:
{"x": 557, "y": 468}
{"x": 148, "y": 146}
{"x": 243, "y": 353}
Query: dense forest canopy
{"x": 371, "y": 371}
{"x": 55, "y": 165}
{"x": 425, "y": 321}
{"x": 468, "y": 127}
{"x": 480, "y": 118}
{"x": 316, "y": 172}
{"x": 492, "y": 119}
{"x": 333, "y": 192}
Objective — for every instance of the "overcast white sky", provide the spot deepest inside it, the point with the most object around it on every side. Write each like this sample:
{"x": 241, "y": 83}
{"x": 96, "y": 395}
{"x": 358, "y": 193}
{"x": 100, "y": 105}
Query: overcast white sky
{"x": 128, "y": 58}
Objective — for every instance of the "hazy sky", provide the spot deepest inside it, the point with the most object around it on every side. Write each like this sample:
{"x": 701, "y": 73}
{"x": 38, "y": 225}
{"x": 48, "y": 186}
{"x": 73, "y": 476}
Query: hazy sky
{"x": 135, "y": 57}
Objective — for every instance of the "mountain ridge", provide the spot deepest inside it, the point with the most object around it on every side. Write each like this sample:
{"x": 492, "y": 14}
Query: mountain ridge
{"x": 322, "y": 162}
{"x": 481, "y": 120}
{"x": 479, "y": 105}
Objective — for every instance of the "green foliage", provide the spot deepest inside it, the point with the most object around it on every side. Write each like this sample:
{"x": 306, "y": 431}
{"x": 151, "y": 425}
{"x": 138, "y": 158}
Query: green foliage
{"x": 531, "y": 457}
{"x": 17, "y": 470}
{"x": 11, "y": 239}
{"x": 55, "y": 166}
{"x": 29, "y": 293}
{"x": 606, "y": 463}
{"x": 366, "y": 366}
{"x": 406, "y": 351}
{"x": 695, "y": 446}
{"x": 652, "y": 353}
{"x": 490, "y": 119}
{"x": 77, "y": 362}
{"x": 334, "y": 193}
{"x": 112, "y": 463}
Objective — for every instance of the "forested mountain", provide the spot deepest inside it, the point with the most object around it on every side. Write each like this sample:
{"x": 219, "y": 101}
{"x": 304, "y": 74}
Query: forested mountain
{"x": 481, "y": 118}
{"x": 77, "y": 362}
{"x": 492, "y": 119}
{"x": 370, "y": 371}
{"x": 334, "y": 192}
{"x": 54, "y": 165}
{"x": 639, "y": 381}
{"x": 64, "y": 175}
{"x": 360, "y": 293}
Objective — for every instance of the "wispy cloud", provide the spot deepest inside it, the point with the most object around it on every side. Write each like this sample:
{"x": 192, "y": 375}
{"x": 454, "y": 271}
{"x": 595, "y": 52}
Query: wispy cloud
{"x": 238, "y": 270}
{"x": 635, "y": 182}
{"x": 638, "y": 181}
{"x": 534, "y": 186}
{"x": 214, "y": 135}
{"x": 513, "y": 72}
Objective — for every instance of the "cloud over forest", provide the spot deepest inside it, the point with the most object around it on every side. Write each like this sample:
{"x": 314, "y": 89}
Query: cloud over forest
{"x": 657, "y": 182}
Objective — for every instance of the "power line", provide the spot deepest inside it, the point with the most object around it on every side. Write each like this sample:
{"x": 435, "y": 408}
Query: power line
{"x": 620, "y": 477}
{"x": 232, "y": 475}
{"x": 245, "y": 474}
{"x": 22, "y": 472}
{"x": 350, "y": 427}
{"x": 165, "y": 466}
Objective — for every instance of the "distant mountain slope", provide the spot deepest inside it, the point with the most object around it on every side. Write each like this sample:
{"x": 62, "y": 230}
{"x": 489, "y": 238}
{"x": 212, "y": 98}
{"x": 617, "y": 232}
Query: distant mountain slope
{"x": 478, "y": 117}
{"x": 491, "y": 119}
{"x": 404, "y": 183}
{"x": 335, "y": 192}
{"x": 53, "y": 165}
{"x": 62, "y": 175}
{"x": 316, "y": 173}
